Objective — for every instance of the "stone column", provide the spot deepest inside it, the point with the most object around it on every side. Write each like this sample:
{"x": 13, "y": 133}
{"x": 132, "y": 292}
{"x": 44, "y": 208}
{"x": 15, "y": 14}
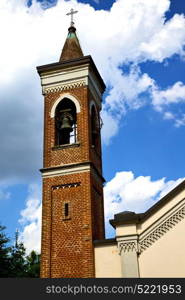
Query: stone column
{"x": 128, "y": 250}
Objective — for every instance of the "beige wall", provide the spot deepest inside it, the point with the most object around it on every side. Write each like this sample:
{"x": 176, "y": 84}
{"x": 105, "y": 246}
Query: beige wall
{"x": 155, "y": 246}
{"x": 107, "y": 261}
{"x": 127, "y": 229}
{"x": 166, "y": 257}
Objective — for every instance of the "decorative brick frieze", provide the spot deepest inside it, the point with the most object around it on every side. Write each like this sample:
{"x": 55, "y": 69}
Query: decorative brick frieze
{"x": 63, "y": 87}
{"x": 66, "y": 185}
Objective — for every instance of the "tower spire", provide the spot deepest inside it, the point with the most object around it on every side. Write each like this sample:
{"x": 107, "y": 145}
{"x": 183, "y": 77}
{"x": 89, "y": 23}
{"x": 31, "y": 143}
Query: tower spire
{"x": 71, "y": 48}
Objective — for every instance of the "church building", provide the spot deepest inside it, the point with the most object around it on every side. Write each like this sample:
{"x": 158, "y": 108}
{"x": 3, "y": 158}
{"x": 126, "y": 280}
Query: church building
{"x": 151, "y": 244}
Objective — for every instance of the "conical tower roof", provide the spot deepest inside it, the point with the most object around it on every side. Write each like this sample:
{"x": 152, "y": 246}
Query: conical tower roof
{"x": 71, "y": 48}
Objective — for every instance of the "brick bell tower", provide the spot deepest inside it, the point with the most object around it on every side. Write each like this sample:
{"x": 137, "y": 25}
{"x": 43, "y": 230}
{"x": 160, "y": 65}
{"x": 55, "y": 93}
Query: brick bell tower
{"x": 73, "y": 211}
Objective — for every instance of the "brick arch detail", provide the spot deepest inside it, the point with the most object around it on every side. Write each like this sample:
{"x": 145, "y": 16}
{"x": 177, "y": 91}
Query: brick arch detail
{"x": 92, "y": 103}
{"x": 70, "y": 97}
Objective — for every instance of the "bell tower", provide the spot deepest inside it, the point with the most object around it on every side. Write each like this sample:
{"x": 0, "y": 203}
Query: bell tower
{"x": 73, "y": 211}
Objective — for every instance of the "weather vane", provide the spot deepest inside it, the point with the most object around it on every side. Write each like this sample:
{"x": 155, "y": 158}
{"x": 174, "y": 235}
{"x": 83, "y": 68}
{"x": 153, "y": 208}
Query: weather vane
{"x": 71, "y": 13}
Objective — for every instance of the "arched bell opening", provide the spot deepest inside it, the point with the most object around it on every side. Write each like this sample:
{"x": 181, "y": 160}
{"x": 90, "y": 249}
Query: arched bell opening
{"x": 95, "y": 127}
{"x": 65, "y": 123}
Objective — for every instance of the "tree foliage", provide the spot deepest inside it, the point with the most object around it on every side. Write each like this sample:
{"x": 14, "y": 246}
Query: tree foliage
{"x": 33, "y": 264}
{"x": 4, "y": 254}
{"x": 17, "y": 259}
{"x": 13, "y": 259}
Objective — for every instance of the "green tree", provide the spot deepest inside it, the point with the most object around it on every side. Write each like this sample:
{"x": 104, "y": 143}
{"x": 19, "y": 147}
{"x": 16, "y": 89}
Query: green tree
{"x": 4, "y": 253}
{"x": 17, "y": 259}
{"x": 33, "y": 265}
{"x": 13, "y": 259}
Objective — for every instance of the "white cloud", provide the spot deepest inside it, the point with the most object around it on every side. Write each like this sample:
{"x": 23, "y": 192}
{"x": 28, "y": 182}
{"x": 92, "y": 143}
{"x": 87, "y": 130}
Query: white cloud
{"x": 125, "y": 94}
{"x": 132, "y": 30}
{"x": 110, "y": 126}
{"x": 123, "y": 36}
{"x": 128, "y": 26}
{"x": 31, "y": 220}
{"x": 126, "y": 89}
{"x": 172, "y": 95}
{"x": 168, "y": 115}
{"x": 168, "y": 99}
{"x": 180, "y": 122}
{"x": 169, "y": 39}
{"x": 125, "y": 192}
{"x": 169, "y": 185}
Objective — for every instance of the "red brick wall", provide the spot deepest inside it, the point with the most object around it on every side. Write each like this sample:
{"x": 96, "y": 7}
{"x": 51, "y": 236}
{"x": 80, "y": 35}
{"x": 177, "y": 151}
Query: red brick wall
{"x": 97, "y": 210}
{"x": 67, "y": 244}
{"x": 71, "y": 155}
{"x": 68, "y": 155}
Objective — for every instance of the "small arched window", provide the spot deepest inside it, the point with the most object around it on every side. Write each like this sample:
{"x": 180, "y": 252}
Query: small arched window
{"x": 95, "y": 128}
{"x": 65, "y": 123}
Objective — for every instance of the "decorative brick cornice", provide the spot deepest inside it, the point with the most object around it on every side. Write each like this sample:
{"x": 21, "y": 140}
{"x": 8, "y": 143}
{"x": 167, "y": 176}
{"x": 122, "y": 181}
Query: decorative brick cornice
{"x": 157, "y": 232}
{"x": 71, "y": 169}
{"x": 62, "y": 87}
{"x": 73, "y": 63}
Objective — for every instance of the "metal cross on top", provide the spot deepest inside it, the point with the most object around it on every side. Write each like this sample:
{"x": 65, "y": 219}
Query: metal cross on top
{"x": 71, "y": 13}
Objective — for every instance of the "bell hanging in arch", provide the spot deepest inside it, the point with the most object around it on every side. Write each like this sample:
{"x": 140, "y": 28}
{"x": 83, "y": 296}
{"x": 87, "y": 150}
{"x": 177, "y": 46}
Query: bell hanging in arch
{"x": 67, "y": 122}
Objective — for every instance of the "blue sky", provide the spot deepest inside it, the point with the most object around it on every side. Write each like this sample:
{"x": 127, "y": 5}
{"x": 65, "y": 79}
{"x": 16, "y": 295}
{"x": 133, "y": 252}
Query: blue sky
{"x": 139, "y": 52}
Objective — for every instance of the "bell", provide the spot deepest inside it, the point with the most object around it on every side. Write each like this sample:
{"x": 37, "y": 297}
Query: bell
{"x": 66, "y": 124}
